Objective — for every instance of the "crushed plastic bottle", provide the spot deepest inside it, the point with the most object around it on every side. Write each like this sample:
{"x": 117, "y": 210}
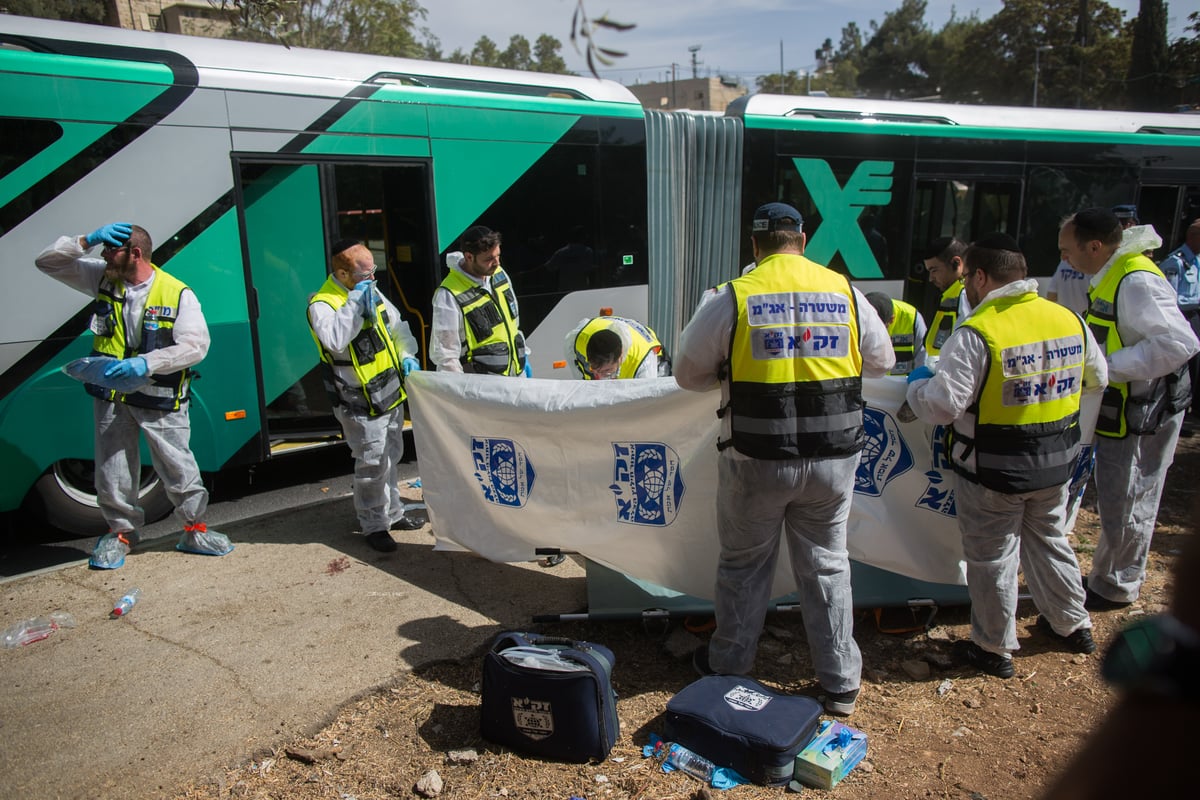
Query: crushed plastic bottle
{"x": 125, "y": 604}
{"x": 28, "y": 631}
{"x": 688, "y": 762}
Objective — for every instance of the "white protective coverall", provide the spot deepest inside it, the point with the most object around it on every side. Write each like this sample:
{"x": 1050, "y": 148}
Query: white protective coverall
{"x": 1130, "y": 472}
{"x": 807, "y": 499}
{"x": 377, "y": 443}
{"x": 118, "y": 458}
{"x": 1002, "y": 532}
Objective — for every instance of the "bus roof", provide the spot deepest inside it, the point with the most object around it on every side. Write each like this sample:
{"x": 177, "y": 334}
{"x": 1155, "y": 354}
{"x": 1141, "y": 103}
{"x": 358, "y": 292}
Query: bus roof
{"x": 224, "y": 63}
{"x": 845, "y": 108}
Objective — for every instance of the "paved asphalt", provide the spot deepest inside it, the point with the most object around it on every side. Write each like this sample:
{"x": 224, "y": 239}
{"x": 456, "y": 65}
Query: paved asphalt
{"x": 224, "y": 656}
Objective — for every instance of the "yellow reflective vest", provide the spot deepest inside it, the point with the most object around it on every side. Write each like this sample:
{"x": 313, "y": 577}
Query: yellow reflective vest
{"x": 372, "y": 357}
{"x": 642, "y": 342}
{"x": 1119, "y": 414}
{"x": 903, "y": 331}
{"x": 495, "y": 346}
{"x": 1027, "y": 411}
{"x": 944, "y": 319}
{"x": 795, "y": 367}
{"x": 166, "y": 392}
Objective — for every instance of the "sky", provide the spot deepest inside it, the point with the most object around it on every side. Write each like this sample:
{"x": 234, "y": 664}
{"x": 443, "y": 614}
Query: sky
{"x": 738, "y": 38}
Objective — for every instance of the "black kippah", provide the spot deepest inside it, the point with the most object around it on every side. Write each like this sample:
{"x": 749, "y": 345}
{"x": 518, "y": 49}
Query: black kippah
{"x": 997, "y": 241}
{"x": 342, "y": 244}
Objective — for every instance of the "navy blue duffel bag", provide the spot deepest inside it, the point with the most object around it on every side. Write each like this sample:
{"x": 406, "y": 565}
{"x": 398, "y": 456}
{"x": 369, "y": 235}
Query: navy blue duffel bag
{"x": 549, "y": 697}
{"x": 738, "y": 723}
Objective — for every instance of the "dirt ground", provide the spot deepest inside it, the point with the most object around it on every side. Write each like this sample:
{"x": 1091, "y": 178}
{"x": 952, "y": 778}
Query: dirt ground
{"x": 953, "y": 734}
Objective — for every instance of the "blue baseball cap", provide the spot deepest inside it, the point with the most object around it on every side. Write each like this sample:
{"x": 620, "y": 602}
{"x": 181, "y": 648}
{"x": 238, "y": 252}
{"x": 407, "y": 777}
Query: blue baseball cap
{"x": 1127, "y": 211}
{"x": 776, "y": 217}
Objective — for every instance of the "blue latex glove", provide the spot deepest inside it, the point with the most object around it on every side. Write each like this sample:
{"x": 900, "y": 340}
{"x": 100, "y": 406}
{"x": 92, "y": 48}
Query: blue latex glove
{"x": 368, "y": 297}
{"x": 920, "y": 373}
{"x": 114, "y": 233}
{"x": 128, "y": 368}
{"x": 410, "y": 365}
{"x": 528, "y": 370}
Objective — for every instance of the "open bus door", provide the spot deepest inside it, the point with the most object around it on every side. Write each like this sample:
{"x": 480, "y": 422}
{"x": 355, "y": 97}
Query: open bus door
{"x": 290, "y": 212}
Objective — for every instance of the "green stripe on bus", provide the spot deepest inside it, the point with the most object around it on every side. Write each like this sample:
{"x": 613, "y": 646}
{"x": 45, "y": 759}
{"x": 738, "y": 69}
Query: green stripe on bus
{"x": 76, "y": 136}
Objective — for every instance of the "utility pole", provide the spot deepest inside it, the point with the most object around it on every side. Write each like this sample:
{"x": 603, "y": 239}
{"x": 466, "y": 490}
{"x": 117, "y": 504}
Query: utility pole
{"x": 674, "y": 66}
{"x": 781, "y": 89}
{"x": 695, "y": 64}
{"x": 1037, "y": 52}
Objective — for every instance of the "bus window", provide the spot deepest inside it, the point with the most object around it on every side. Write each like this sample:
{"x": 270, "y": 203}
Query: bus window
{"x": 961, "y": 207}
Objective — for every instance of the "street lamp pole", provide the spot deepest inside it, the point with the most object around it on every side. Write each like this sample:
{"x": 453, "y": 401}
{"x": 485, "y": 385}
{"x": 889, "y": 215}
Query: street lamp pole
{"x": 1037, "y": 53}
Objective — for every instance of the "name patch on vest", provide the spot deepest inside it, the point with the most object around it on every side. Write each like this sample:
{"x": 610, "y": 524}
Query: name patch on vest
{"x": 1041, "y": 356}
{"x": 819, "y": 341}
{"x": 797, "y": 308}
{"x": 1042, "y": 388}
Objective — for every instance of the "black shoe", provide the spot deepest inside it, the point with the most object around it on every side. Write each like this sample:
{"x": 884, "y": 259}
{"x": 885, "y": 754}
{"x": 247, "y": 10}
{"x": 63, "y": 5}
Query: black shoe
{"x": 840, "y": 704}
{"x": 967, "y": 652}
{"x": 1078, "y": 641}
{"x": 382, "y": 541}
{"x": 1097, "y": 602}
{"x": 700, "y": 661}
{"x": 406, "y": 523}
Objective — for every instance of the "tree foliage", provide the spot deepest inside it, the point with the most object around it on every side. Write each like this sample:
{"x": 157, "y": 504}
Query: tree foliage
{"x": 382, "y": 27}
{"x": 94, "y": 11}
{"x": 895, "y": 60}
{"x": 543, "y": 56}
{"x": 1148, "y": 82}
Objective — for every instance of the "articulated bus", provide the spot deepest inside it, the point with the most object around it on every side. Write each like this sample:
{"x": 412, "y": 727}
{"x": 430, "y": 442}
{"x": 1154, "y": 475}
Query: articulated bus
{"x": 245, "y": 160}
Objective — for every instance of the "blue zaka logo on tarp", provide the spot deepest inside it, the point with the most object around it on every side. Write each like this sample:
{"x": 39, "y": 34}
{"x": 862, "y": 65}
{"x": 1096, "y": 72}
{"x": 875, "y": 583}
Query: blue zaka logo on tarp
{"x": 885, "y": 455}
{"x": 647, "y": 482}
{"x": 939, "y": 493}
{"x": 503, "y": 471}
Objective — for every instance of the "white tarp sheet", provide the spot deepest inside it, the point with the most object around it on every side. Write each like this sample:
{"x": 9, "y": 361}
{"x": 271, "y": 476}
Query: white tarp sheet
{"x": 624, "y": 473}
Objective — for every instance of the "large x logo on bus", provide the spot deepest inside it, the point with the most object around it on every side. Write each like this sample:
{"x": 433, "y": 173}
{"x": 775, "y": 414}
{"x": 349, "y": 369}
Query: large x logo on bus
{"x": 870, "y": 185}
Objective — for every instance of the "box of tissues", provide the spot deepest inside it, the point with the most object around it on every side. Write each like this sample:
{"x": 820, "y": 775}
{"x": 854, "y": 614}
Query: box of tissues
{"x": 831, "y": 754}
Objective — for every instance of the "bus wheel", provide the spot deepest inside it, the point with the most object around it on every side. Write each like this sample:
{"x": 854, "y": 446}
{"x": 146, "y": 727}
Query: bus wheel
{"x": 66, "y": 497}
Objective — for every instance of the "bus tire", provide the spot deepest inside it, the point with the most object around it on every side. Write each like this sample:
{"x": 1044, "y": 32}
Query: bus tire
{"x": 65, "y": 497}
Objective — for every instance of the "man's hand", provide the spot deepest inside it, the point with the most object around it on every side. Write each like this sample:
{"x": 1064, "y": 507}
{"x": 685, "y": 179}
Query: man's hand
{"x": 410, "y": 364}
{"x": 115, "y": 234}
{"x": 368, "y": 297}
{"x": 128, "y": 368}
{"x": 528, "y": 370}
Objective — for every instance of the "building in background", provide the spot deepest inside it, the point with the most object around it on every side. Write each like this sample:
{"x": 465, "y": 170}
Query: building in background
{"x": 696, "y": 94}
{"x": 191, "y": 17}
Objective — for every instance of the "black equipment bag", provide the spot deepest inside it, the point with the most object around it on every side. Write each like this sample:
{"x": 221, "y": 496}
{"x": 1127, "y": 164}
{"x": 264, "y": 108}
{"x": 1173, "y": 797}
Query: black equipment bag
{"x": 549, "y": 697}
{"x": 738, "y": 723}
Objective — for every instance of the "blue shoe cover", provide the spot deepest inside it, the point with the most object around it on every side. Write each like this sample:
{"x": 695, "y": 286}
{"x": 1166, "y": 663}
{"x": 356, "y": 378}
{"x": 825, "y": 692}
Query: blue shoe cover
{"x": 204, "y": 543}
{"x": 109, "y": 553}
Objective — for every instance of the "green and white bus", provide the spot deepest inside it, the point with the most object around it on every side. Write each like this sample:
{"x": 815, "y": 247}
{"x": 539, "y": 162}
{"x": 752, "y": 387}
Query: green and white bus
{"x": 244, "y": 161}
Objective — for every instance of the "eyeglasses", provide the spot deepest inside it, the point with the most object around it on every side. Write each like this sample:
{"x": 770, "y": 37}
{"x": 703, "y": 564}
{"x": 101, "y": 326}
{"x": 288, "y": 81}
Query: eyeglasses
{"x": 605, "y": 372}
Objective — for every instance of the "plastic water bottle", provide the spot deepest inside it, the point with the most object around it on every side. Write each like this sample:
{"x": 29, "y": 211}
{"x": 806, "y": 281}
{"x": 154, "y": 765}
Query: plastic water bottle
{"x": 124, "y": 605}
{"x": 693, "y": 764}
{"x": 28, "y": 631}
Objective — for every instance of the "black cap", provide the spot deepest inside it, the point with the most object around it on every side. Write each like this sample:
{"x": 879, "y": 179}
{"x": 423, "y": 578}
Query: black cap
{"x": 776, "y": 217}
{"x": 342, "y": 245}
{"x": 997, "y": 241}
